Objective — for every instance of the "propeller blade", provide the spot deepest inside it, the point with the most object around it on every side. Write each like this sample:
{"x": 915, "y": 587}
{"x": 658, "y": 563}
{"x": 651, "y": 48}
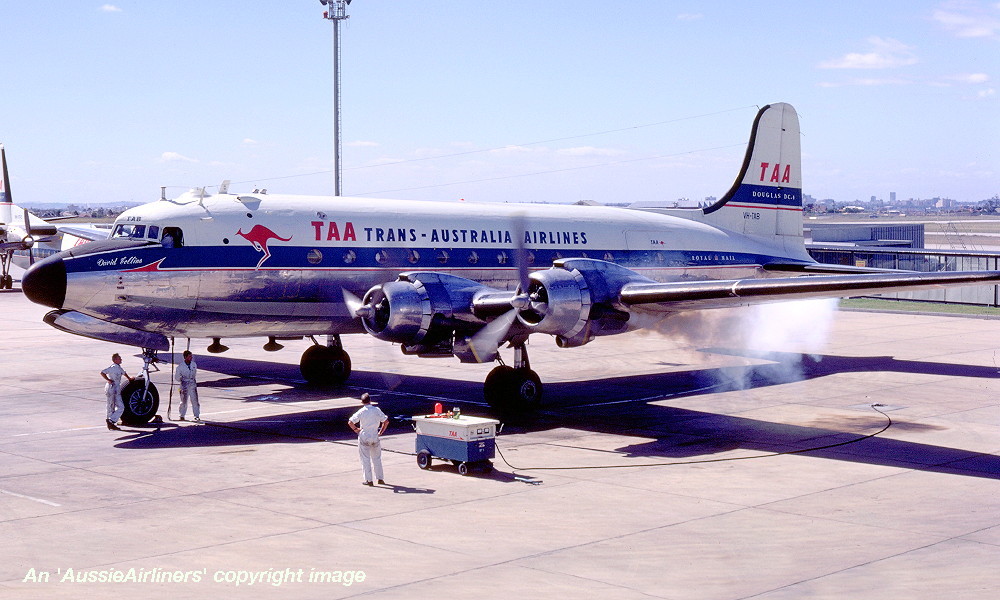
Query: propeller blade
{"x": 486, "y": 341}
{"x": 520, "y": 252}
{"x": 355, "y": 306}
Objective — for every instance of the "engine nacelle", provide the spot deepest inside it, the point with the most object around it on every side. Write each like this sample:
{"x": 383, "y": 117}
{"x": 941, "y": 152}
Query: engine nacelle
{"x": 560, "y": 304}
{"x": 15, "y": 235}
{"x": 400, "y": 311}
{"x": 578, "y": 299}
{"x": 424, "y": 309}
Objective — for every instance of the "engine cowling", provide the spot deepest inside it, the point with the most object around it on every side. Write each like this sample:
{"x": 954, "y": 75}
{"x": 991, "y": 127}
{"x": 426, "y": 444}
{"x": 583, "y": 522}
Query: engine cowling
{"x": 16, "y": 235}
{"x": 424, "y": 310}
{"x": 399, "y": 311}
{"x": 577, "y": 300}
{"x": 559, "y": 303}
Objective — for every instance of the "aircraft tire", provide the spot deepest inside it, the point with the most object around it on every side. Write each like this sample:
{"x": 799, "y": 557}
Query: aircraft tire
{"x": 141, "y": 403}
{"x": 325, "y": 365}
{"x": 526, "y": 388}
{"x": 512, "y": 392}
{"x": 495, "y": 389}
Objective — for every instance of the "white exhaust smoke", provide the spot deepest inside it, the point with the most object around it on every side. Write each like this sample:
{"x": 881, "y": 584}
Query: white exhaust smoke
{"x": 779, "y": 334}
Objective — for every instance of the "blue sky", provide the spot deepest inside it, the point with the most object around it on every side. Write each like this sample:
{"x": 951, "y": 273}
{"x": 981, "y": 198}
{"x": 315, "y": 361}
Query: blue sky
{"x": 496, "y": 101}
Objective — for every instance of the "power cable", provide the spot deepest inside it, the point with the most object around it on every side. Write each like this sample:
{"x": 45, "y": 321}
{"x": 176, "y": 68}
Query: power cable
{"x": 533, "y": 173}
{"x": 549, "y": 141}
{"x": 494, "y": 149}
{"x": 709, "y": 460}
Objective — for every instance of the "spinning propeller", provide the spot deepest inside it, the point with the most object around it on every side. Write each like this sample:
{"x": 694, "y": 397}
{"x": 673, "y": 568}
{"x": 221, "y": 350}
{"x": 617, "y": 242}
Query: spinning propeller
{"x": 498, "y": 308}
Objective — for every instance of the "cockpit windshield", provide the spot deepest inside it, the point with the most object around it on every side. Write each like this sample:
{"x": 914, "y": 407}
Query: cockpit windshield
{"x": 172, "y": 237}
{"x": 129, "y": 230}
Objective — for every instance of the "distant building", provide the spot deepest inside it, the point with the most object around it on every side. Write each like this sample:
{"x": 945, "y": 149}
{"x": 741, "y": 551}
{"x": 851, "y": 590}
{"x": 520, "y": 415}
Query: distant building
{"x": 910, "y": 235}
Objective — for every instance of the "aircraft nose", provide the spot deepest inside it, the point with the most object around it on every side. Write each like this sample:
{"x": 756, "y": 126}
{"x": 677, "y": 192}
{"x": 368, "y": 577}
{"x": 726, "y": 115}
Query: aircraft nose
{"x": 45, "y": 282}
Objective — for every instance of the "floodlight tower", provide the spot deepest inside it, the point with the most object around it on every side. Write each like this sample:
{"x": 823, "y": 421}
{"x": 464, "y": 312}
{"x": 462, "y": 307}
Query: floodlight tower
{"x": 336, "y": 12}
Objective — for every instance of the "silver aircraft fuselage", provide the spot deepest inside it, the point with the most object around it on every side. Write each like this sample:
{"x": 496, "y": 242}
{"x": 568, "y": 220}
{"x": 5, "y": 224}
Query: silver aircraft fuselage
{"x": 271, "y": 265}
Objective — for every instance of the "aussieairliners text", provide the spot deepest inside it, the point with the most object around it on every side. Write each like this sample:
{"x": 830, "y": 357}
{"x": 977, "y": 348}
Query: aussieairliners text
{"x": 227, "y": 577}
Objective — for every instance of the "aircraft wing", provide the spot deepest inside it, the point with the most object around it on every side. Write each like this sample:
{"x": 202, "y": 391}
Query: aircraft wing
{"x": 578, "y": 299}
{"x": 824, "y": 268}
{"x": 675, "y": 296}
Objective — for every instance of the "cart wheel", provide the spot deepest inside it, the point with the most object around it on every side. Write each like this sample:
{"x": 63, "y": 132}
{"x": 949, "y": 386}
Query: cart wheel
{"x": 424, "y": 459}
{"x": 463, "y": 468}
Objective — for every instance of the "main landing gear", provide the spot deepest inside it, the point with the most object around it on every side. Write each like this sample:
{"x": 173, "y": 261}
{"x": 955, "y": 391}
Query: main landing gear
{"x": 139, "y": 395}
{"x": 6, "y": 280}
{"x": 326, "y": 365}
{"x": 513, "y": 391}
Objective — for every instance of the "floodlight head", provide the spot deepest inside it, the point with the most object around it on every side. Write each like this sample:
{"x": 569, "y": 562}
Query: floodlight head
{"x": 324, "y": 2}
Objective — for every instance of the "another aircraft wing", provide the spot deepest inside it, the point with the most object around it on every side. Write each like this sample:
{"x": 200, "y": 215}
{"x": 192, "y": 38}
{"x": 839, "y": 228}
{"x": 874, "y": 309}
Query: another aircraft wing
{"x": 91, "y": 234}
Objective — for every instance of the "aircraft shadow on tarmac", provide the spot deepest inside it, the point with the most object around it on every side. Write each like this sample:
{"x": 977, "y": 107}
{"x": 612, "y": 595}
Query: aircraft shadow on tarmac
{"x": 616, "y": 405}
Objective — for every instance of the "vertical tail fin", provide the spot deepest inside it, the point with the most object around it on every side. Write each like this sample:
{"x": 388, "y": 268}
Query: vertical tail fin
{"x": 6, "y": 208}
{"x": 766, "y": 199}
{"x": 17, "y": 226}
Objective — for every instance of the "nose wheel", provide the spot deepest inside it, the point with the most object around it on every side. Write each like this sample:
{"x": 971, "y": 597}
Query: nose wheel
{"x": 140, "y": 396}
{"x": 141, "y": 401}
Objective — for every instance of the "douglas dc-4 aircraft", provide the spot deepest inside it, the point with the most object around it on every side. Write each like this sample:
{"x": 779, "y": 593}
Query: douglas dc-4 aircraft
{"x": 443, "y": 279}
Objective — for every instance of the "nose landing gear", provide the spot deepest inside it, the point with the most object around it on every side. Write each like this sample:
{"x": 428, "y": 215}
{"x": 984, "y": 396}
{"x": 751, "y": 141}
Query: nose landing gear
{"x": 140, "y": 396}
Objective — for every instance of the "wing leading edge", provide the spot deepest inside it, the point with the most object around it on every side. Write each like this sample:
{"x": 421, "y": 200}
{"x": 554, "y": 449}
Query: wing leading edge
{"x": 674, "y": 296}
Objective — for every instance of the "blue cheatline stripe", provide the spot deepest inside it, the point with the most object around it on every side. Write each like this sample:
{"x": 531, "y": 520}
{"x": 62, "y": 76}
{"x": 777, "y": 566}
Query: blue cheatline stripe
{"x": 407, "y": 259}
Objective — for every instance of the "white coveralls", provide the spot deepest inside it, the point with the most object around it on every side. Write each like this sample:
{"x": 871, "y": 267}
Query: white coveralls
{"x": 369, "y": 418}
{"x": 113, "y": 390}
{"x": 186, "y": 374}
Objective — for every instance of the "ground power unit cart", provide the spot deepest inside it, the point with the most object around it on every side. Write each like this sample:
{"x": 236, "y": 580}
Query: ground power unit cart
{"x": 468, "y": 442}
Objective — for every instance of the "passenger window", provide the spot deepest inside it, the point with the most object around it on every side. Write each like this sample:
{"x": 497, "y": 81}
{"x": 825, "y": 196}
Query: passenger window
{"x": 154, "y": 232}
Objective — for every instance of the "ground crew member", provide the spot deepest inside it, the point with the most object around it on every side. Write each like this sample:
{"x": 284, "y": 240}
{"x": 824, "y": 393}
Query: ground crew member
{"x": 369, "y": 423}
{"x": 186, "y": 374}
{"x": 113, "y": 390}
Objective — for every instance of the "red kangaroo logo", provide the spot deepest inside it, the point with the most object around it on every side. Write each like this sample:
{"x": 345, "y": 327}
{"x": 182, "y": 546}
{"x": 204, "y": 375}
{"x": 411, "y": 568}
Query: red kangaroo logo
{"x": 259, "y": 236}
